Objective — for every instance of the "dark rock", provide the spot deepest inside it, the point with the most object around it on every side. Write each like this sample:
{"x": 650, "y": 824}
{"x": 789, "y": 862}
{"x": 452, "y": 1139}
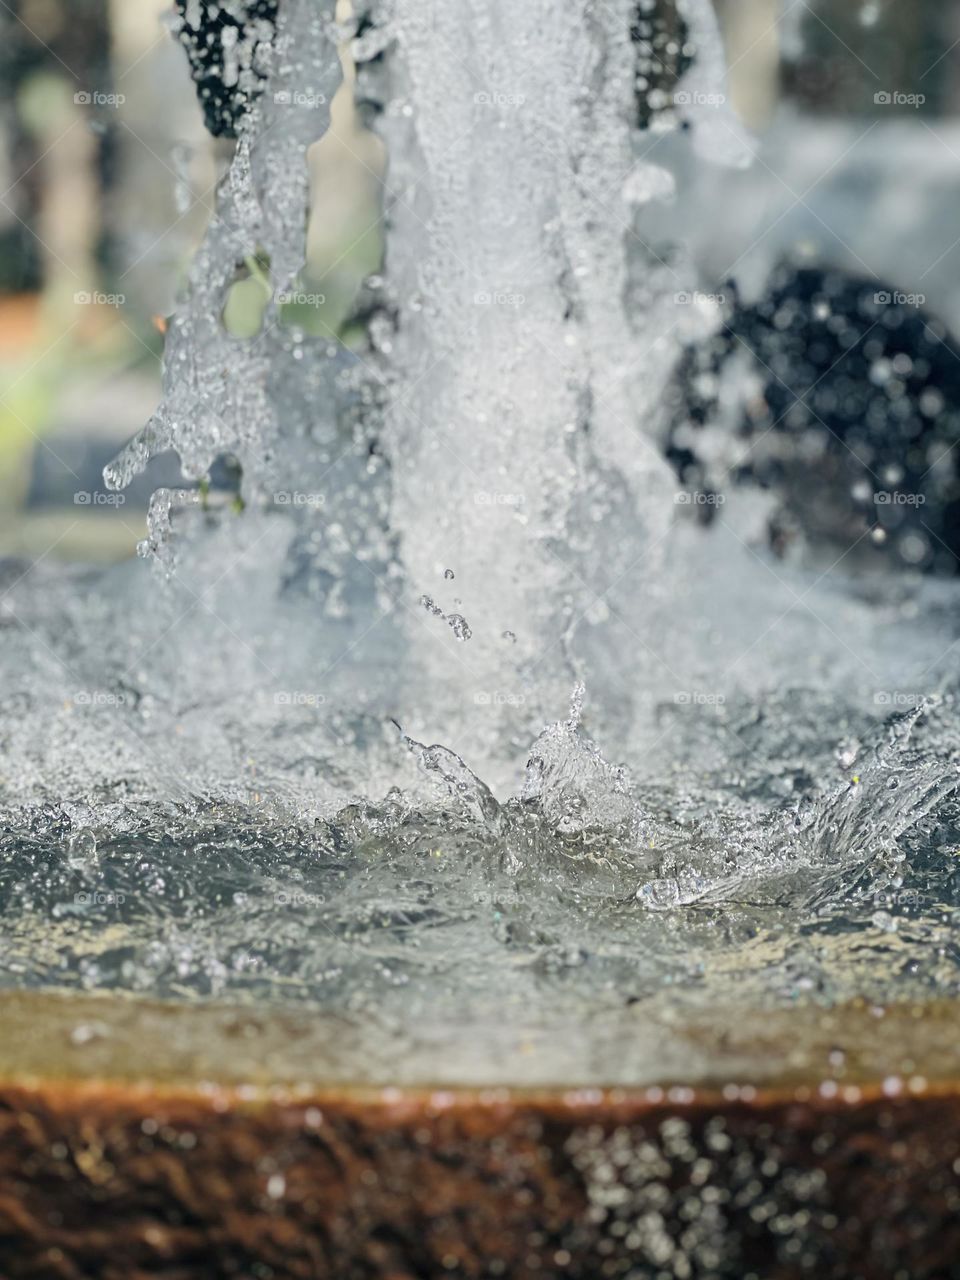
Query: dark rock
{"x": 225, "y": 48}
{"x": 856, "y": 423}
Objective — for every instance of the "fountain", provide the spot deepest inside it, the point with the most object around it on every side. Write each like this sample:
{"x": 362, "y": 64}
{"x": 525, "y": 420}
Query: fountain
{"x": 446, "y": 798}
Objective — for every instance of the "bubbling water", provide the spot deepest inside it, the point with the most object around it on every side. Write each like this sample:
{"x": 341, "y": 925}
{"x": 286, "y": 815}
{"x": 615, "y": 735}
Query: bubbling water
{"x": 305, "y": 758}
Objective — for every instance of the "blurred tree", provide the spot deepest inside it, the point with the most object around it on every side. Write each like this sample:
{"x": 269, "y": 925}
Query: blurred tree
{"x": 43, "y": 40}
{"x": 660, "y": 36}
{"x": 850, "y": 51}
{"x": 751, "y": 36}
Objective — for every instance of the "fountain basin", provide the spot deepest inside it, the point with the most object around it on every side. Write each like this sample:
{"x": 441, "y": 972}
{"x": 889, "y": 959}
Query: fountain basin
{"x": 156, "y": 1139}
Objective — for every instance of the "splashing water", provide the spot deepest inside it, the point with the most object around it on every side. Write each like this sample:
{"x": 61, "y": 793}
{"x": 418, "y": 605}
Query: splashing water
{"x": 295, "y": 762}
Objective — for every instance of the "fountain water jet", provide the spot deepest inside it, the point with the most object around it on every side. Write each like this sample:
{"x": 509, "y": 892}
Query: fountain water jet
{"x": 227, "y": 778}
{"x": 217, "y": 807}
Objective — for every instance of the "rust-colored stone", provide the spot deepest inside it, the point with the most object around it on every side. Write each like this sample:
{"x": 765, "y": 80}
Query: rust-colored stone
{"x": 132, "y": 1176}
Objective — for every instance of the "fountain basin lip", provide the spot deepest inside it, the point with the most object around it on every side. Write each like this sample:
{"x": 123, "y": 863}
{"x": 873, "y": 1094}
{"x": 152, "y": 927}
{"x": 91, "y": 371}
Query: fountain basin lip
{"x": 249, "y": 1054}
{"x": 140, "y": 1143}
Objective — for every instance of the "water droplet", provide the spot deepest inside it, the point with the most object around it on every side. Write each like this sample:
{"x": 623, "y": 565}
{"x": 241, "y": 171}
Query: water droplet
{"x": 88, "y": 1032}
{"x": 82, "y": 851}
{"x": 459, "y": 626}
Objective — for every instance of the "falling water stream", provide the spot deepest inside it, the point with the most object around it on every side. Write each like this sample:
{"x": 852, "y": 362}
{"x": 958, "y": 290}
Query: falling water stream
{"x": 459, "y": 729}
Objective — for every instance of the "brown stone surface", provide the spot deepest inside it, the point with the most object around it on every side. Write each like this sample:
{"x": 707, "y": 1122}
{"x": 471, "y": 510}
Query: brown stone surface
{"x": 149, "y": 1168}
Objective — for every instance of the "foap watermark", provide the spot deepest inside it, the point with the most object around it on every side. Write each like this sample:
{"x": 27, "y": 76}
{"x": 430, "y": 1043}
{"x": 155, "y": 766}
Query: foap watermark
{"x": 99, "y": 898}
{"x": 699, "y": 498}
{"x": 298, "y": 298}
{"x": 298, "y": 898}
{"x": 486, "y": 499}
{"x": 498, "y": 298}
{"x": 693, "y": 98}
{"x": 897, "y": 498}
{"x": 896, "y": 298}
{"x": 84, "y": 498}
{"x": 85, "y": 298}
{"x": 493, "y": 98}
{"x": 299, "y": 98}
{"x": 98, "y": 698}
{"x": 894, "y": 98}
{"x": 497, "y": 698}
{"x": 698, "y": 698}
{"x": 299, "y": 698}
{"x": 94, "y": 98}
{"x": 904, "y": 699}
{"x": 887, "y": 898}
{"x": 287, "y": 498}
{"x": 697, "y": 298}
{"x": 500, "y": 898}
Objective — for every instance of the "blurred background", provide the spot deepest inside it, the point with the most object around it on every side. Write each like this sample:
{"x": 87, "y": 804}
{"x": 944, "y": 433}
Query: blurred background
{"x": 107, "y": 180}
